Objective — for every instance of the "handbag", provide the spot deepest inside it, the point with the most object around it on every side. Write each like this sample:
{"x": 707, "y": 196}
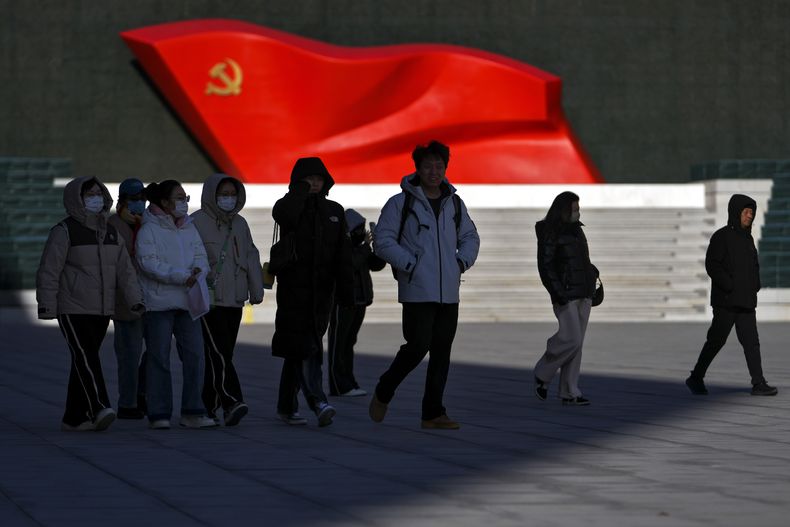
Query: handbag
{"x": 282, "y": 253}
{"x": 598, "y": 295}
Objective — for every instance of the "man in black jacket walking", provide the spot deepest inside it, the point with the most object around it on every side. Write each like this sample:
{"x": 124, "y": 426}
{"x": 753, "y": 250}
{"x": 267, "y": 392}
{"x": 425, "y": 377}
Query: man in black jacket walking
{"x": 320, "y": 274}
{"x": 731, "y": 262}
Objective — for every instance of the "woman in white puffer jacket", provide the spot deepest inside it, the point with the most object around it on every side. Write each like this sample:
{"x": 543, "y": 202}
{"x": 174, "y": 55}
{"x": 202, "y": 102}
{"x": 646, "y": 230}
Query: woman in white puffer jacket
{"x": 171, "y": 255}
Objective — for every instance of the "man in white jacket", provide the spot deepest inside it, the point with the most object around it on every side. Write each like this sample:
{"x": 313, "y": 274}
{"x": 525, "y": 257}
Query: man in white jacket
{"x": 426, "y": 235}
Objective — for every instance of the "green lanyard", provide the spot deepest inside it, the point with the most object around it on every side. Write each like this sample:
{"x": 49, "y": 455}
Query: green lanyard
{"x": 222, "y": 254}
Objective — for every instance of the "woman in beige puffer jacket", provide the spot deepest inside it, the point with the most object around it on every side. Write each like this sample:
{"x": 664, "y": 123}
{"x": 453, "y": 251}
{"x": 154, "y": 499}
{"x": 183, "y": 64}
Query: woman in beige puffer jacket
{"x": 235, "y": 276}
{"x": 83, "y": 260}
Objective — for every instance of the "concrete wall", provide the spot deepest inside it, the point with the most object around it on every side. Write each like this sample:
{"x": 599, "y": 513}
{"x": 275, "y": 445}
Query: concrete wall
{"x": 650, "y": 87}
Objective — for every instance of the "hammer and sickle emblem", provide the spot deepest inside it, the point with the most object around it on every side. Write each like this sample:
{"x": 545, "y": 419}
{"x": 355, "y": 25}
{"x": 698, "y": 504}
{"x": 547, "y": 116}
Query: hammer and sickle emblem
{"x": 231, "y": 84}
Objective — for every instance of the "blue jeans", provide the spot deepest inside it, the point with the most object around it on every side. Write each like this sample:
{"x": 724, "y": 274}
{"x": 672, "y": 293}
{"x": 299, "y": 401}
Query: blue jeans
{"x": 128, "y": 348}
{"x": 160, "y": 327}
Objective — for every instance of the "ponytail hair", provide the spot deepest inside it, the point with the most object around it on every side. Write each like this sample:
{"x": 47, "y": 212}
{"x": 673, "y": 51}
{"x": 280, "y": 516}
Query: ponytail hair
{"x": 156, "y": 192}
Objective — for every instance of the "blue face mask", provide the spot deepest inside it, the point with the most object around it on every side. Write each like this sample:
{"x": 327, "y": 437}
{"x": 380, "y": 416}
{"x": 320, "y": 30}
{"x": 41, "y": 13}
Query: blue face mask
{"x": 136, "y": 207}
{"x": 93, "y": 204}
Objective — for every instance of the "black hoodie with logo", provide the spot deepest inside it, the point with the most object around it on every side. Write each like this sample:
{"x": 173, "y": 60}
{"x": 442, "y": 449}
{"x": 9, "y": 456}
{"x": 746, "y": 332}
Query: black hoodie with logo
{"x": 731, "y": 260}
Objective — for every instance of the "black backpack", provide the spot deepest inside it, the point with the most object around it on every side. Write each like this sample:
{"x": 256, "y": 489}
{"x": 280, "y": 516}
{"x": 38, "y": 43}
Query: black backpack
{"x": 408, "y": 201}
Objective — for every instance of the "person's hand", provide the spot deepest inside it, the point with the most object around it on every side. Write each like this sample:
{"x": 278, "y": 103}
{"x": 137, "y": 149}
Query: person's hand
{"x": 369, "y": 237}
{"x": 460, "y": 266}
{"x": 138, "y": 309}
{"x": 192, "y": 279}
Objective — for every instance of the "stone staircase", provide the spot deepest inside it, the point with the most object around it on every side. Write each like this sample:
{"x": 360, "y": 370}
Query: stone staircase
{"x": 651, "y": 262}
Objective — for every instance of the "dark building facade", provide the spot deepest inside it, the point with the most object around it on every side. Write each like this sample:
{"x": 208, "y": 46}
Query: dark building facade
{"x": 650, "y": 88}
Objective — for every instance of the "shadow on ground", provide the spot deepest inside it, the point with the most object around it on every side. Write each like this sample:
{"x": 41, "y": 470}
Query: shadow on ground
{"x": 511, "y": 447}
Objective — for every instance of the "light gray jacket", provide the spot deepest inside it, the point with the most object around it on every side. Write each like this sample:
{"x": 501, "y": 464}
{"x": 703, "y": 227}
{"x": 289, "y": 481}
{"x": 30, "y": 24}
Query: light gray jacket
{"x": 426, "y": 259}
{"x": 240, "y": 277}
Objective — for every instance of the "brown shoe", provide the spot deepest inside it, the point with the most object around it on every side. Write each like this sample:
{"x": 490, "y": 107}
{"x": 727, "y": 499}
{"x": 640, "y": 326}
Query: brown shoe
{"x": 377, "y": 409}
{"x": 441, "y": 423}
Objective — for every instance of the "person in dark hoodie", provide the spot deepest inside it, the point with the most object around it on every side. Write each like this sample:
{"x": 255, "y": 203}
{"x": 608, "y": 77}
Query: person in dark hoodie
{"x": 234, "y": 277}
{"x": 83, "y": 261}
{"x": 347, "y": 320}
{"x": 732, "y": 264}
{"x": 307, "y": 288}
{"x": 569, "y": 277}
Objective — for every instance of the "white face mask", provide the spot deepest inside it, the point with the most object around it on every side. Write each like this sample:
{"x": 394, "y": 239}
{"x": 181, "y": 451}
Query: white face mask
{"x": 182, "y": 207}
{"x": 93, "y": 204}
{"x": 226, "y": 203}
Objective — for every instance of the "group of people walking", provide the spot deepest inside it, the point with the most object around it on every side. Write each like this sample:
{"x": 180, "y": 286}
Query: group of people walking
{"x": 142, "y": 267}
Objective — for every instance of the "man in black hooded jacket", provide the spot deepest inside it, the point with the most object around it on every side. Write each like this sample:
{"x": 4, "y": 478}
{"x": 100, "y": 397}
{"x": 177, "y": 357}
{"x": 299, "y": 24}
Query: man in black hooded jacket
{"x": 307, "y": 287}
{"x": 732, "y": 264}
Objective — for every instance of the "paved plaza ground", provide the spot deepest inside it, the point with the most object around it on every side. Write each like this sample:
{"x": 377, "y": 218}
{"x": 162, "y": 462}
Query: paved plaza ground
{"x": 646, "y": 453}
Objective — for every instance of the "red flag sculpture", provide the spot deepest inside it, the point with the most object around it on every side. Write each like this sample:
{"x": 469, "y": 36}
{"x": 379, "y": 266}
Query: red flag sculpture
{"x": 257, "y": 99}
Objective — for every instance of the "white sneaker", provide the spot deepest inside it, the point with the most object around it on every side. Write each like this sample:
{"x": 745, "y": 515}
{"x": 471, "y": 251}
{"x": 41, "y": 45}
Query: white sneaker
{"x": 292, "y": 419}
{"x": 355, "y": 392}
{"x": 197, "y": 421}
{"x": 325, "y": 413}
{"x": 159, "y": 424}
{"x": 104, "y": 419}
{"x": 84, "y": 426}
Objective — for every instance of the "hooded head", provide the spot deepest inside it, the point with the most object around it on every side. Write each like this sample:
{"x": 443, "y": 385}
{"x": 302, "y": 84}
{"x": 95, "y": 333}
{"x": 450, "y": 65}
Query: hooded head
{"x": 739, "y": 202}
{"x": 311, "y": 166}
{"x": 356, "y": 226}
{"x": 73, "y": 197}
{"x": 208, "y": 200}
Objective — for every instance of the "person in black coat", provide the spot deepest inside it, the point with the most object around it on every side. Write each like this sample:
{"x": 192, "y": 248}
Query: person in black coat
{"x": 734, "y": 269}
{"x": 307, "y": 287}
{"x": 347, "y": 320}
{"x": 569, "y": 277}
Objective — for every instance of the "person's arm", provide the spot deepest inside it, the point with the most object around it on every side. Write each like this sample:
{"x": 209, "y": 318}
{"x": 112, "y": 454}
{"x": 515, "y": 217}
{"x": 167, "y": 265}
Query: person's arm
{"x": 254, "y": 271}
{"x": 126, "y": 280}
{"x": 547, "y": 252}
{"x": 199, "y": 255}
{"x": 53, "y": 260}
{"x": 344, "y": 271}
{"x": 386, "y": 236}
{"x": 716, "y": 262}
{"x": 289, "y": 208}
{"x": 468, "y": 240}
{"x": 374, "y": 262}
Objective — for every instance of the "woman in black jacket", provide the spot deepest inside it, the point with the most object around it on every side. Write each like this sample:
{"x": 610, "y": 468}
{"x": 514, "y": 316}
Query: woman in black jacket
{"x": 307, "y": 287}
{"x": 569, "y": 277}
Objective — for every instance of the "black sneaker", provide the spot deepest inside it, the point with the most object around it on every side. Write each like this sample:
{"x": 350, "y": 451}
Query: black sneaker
{"x": 764, "y": 389}
{"x": 576, "y": 401}
{"x": 697, "y": 386}
{"x": 541, "y": 392}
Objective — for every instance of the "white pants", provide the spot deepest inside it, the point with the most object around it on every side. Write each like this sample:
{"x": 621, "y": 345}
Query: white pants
{"x": 564, "y": 348}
